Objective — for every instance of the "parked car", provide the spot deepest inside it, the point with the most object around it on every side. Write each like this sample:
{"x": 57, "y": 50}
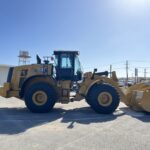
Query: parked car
{"x": 121, "y": 83}
{"x": 131, "y": 82}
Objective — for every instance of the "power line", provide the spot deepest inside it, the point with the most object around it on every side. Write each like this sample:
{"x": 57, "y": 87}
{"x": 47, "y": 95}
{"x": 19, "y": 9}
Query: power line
{"x": 137, "y": 61}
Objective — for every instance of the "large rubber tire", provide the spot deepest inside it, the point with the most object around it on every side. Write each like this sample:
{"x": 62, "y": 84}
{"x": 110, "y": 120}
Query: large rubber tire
{"x": 93, "y": 94}
{"x": 49, "y": 92}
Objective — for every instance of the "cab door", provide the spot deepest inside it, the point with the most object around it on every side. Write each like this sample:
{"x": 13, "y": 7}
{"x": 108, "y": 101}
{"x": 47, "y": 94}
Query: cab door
{"x": 65, "y": 67}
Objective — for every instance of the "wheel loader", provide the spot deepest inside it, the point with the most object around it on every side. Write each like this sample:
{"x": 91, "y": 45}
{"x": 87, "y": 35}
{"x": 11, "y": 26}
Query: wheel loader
{"x": 43, "y": 84}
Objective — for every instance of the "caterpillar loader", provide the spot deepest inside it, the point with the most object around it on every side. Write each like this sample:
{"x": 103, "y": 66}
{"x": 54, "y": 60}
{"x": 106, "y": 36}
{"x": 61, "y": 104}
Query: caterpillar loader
{"x": 43, "y": 84}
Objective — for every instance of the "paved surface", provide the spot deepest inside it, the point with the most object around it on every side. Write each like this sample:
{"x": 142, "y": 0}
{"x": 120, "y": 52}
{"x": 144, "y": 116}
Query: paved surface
{"x": 74, "y": 126}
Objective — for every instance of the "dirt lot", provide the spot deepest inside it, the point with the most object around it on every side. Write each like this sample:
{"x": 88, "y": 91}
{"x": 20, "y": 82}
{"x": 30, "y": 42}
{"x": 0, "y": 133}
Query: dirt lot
{"x": 73, "y": 126}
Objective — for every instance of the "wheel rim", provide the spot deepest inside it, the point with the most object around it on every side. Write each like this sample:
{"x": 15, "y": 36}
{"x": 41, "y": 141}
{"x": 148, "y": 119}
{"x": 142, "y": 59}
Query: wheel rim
{"x": 39, "y": 98}
{"x": 105, "y": 99}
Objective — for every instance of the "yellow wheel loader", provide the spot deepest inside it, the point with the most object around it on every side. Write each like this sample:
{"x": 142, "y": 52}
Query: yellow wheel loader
{"x": 42, "y": 85}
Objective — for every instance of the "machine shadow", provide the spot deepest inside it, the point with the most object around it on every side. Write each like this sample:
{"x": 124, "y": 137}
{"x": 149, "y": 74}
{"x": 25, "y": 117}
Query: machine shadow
{"x": 87, "y": 116}
{"x": 18, "y": 120}
{"x": 142, "y": 116}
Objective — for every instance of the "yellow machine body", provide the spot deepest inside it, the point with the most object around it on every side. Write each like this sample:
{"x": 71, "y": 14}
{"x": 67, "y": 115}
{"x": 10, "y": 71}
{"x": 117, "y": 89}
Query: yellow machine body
{"x": 34, "y": 73}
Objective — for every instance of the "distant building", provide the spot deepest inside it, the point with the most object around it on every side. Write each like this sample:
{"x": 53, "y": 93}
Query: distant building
{"x": 3, "y": 73}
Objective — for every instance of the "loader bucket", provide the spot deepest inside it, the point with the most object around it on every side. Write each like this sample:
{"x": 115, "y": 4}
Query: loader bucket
{"x": 138, "y": 97}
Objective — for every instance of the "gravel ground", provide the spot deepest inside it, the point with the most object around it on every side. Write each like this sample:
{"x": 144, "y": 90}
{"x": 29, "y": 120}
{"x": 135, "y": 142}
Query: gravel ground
{"x": 74, "y": 126}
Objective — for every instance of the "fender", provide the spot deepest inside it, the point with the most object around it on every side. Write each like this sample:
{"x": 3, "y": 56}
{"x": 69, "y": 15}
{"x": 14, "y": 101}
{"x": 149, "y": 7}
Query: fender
{"x": 34, "y": 79}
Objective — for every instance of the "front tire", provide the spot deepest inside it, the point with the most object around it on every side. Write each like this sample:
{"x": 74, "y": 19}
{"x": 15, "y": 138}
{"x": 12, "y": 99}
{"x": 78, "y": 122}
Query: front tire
{"x": 40, "y": 98}
{"x": 103, "y": 98}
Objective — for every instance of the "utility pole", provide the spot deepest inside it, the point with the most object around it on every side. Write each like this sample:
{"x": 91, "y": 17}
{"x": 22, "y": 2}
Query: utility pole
{"x": 127, "y": 73}
{"x": 110, "y": 71}
{"x": 136, "y": 75}
{"x": 145, "y": 72}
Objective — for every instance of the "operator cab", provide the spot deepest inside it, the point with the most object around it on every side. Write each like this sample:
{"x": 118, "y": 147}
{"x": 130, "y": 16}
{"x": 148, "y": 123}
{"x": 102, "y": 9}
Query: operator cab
{"x": 67, "y": 65}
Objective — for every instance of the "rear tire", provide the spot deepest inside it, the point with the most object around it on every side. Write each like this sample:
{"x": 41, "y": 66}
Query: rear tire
{"x": 103, "y": 98}
{"x": 40, "y": 98}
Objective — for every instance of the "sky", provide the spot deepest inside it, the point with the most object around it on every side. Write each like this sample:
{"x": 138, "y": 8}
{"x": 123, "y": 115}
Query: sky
{"x": 104, "y": 31}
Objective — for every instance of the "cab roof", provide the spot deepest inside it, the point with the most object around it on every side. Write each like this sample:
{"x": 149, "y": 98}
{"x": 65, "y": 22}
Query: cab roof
{"x": 58, "y": 52}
